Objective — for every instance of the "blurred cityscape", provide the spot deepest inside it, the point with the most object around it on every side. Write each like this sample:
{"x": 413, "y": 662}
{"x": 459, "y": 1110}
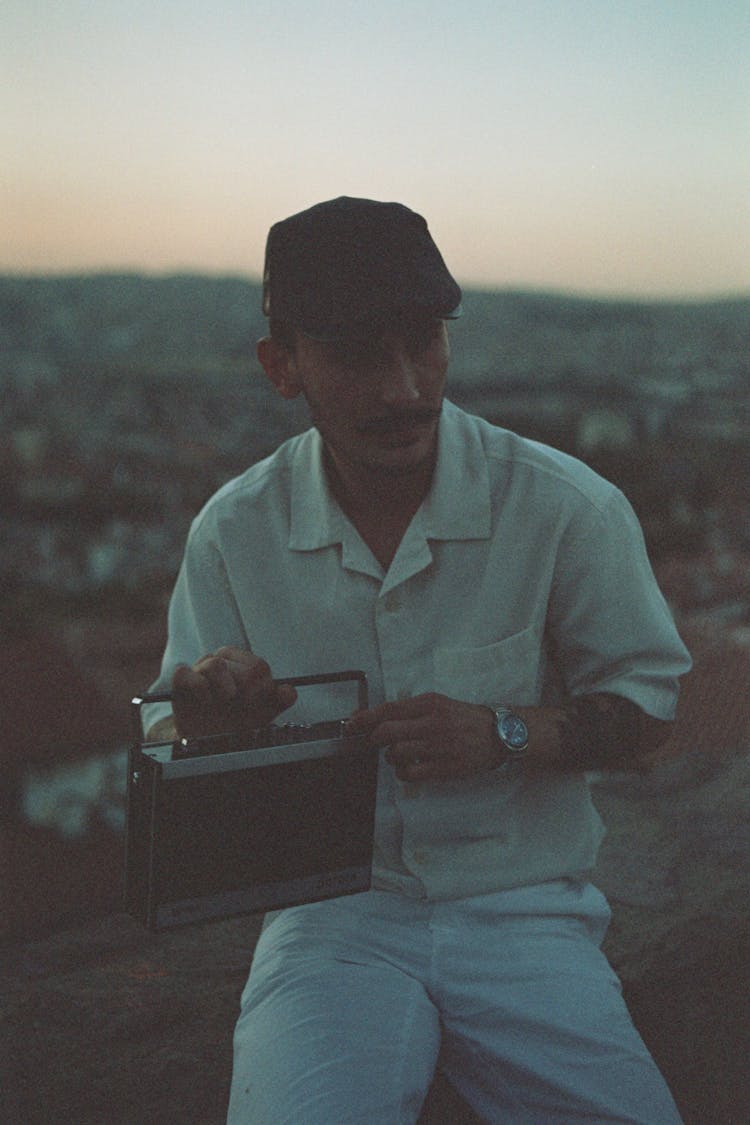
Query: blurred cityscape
{"x": 127, "y": 400}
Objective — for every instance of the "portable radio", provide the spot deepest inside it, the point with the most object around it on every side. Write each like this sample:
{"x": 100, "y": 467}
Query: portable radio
{"x": 223, "y": 825}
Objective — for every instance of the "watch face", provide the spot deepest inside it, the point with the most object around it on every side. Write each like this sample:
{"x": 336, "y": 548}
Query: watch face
{"x": 513, "y": 731}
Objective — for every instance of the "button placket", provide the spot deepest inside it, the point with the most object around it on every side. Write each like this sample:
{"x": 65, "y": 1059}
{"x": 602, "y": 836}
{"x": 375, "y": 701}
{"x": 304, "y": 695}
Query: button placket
{"x": 392, "y": 602}
{"x": 390, "y": 626}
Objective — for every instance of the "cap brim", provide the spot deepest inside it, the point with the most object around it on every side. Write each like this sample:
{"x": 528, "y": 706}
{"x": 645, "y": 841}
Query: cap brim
{"x": 361, "y": 330}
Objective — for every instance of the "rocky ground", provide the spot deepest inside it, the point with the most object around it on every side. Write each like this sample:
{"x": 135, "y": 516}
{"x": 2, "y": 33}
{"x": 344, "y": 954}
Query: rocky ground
{"x": 110, "y": 1025}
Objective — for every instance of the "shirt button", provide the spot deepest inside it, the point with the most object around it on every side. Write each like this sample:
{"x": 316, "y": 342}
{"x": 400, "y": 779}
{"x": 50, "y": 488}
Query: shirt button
{"x": 392, "y": 602}
{"x": 420, "y": 856}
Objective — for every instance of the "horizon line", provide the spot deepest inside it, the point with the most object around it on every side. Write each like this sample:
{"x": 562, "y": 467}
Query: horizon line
{"x": 605, "y": 296}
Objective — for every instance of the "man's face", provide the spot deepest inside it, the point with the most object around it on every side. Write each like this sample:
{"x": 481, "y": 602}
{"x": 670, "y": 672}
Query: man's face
{"x": 377, "y": 401}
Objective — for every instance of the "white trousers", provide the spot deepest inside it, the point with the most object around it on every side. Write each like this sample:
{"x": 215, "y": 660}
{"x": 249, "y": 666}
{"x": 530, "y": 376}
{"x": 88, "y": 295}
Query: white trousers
{"x": 351, "y": 1003}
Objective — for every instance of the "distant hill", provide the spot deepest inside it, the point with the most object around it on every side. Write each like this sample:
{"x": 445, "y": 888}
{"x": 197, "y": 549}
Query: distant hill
{"x": 187, "y": 323}
{"x": 117, "y": 320}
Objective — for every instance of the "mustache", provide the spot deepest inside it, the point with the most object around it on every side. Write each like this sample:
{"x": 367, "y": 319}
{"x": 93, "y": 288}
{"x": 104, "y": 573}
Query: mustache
{"x": 398, "y": 420}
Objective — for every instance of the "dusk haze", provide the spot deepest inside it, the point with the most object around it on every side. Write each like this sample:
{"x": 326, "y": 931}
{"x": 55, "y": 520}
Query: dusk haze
{"x": 583, "y": 146}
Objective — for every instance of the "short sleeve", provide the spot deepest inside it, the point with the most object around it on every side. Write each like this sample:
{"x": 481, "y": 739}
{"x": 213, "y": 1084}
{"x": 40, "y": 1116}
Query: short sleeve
{"x": 203, "y": 614}
{"x": 610, "y": 626}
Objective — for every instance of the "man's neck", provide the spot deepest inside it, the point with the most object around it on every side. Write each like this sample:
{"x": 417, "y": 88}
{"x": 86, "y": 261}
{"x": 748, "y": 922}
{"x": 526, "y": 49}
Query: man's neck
{"x": 382, "y": 492}
{"x": 380, "y": 504}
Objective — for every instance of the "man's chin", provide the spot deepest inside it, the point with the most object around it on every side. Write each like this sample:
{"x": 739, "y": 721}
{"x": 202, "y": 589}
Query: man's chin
{"x": 401, "y": 458}
{"x": 409, "y": 441}
{"x": 391, "y": 453}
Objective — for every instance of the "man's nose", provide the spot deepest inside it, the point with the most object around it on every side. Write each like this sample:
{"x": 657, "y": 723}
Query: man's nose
{"x": 399, "y": 384}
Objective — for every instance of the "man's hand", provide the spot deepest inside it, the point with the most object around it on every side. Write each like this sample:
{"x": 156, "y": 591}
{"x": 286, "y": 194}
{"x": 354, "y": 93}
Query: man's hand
{"x": 228, "y": 690}
{"x": 431, "y": 737}
{"x": 434, "y": 738}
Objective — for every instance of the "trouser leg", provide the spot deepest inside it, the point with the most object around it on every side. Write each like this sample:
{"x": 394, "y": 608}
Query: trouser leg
{"x": 340, "y": 1024}
{"x": 330, "y": 1033}
{"x": 536, "y": 1030}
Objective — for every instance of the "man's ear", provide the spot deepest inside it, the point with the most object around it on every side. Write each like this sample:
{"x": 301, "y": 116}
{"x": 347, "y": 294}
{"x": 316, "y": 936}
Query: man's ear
{"x": 279, "y": 364}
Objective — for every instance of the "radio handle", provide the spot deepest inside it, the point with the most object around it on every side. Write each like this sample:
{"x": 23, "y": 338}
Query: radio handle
{"x": 296, "y": 681}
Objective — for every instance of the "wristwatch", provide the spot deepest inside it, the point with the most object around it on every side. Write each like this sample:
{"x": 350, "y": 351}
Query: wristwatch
{"x": 513, "y": 739}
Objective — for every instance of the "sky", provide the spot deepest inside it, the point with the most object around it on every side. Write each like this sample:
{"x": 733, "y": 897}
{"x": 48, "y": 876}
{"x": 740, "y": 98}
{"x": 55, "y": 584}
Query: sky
{"x": 596, "y": 146}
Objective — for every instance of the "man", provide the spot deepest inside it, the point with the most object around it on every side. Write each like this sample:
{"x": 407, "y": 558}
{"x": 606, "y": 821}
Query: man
{"x": 498, "y": 595}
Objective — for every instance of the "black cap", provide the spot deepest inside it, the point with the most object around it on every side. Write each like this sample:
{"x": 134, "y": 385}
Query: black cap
{"x": 348, "y": 262}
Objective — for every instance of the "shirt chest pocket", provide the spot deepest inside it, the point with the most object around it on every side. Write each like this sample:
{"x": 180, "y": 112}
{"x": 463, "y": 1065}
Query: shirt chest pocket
{"x": 508, "y": 671}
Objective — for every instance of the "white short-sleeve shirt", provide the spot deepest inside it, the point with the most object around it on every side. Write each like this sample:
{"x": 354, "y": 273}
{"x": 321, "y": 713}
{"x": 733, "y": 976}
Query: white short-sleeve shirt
{"x": 523, "y": 576}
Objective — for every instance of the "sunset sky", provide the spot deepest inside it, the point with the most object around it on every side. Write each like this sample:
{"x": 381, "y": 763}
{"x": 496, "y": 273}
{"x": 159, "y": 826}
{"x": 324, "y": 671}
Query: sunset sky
{"x": 598, "y": 146}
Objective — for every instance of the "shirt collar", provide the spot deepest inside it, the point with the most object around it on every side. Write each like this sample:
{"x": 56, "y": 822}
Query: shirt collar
{"x": 458, "y": 503}
{"x": 456, "y": 507}
{"x": 316, "y": 519}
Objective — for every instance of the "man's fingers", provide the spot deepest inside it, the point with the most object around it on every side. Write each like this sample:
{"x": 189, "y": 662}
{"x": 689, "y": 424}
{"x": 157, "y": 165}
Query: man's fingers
{"x": 227, "y": 689}
{"x": 230, "y": 675}
{"x": 408, "y": 753}
{"x": 223, "y": 680}
{"x": 430, "y": 737}
{"x": 403, "y": 731}
{"x": 286, "y": 695}
{"x": 399, "y": 720}
{"x": 187, "y": 683}
{"x": 395, "y": 710}
{"x": 413, "y": 761}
